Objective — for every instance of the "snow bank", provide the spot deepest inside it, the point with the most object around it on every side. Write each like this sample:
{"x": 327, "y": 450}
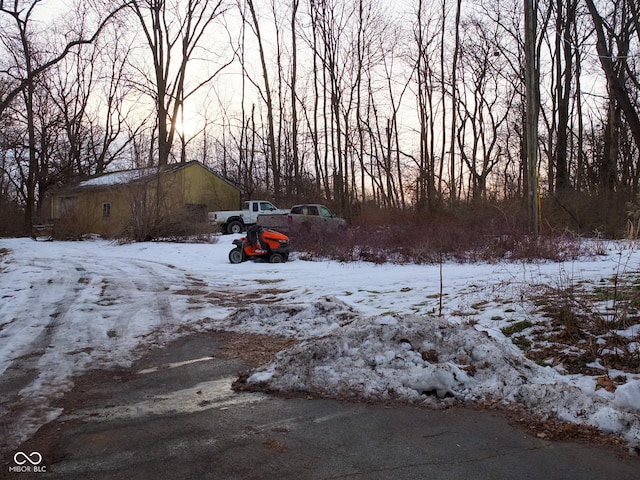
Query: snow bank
{"x": 429, "y": 360}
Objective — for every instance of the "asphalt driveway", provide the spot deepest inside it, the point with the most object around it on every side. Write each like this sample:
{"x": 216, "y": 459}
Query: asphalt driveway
{"x": 174, "y": 415}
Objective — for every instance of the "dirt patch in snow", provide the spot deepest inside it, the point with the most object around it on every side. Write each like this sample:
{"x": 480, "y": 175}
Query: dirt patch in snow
{"x": 253, "y": 349}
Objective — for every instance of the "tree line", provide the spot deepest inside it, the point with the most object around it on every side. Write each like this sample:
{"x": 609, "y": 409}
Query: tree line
{"x": 413, "y": 104}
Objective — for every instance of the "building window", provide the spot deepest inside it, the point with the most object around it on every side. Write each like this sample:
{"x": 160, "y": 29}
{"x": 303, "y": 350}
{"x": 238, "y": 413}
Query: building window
{"x": 106, "y": 209}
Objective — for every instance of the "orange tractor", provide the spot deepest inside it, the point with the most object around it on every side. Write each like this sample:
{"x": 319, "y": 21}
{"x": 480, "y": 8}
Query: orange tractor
{"x": 260, "y": 243}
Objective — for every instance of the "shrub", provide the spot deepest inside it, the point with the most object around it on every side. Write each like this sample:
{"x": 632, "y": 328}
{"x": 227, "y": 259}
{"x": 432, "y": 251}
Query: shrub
{"x": 465, "y": 235}
{"x": 11, "y": 219}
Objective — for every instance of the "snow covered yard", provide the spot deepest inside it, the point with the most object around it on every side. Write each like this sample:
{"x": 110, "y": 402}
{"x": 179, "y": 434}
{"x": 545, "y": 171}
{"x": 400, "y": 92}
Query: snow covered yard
{"x": 429, "y": 334}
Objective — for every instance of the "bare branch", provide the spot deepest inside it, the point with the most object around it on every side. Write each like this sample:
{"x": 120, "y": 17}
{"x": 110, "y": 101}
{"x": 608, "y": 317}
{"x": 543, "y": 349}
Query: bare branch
{"x": 25, "y": 82}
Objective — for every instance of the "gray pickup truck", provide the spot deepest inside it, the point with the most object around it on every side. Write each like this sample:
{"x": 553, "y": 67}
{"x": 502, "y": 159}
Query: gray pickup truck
{"x": 308, "y": 217}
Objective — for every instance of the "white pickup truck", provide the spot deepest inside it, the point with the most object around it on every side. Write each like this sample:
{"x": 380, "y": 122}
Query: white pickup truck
{"x": 236, "y": 221}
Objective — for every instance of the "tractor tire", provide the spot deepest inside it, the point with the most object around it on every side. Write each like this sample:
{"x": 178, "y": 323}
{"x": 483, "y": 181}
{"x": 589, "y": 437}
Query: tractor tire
{"x": 276, "y": 258}
{"x": 236, "y": 255}
{"x": 235, "y": 227}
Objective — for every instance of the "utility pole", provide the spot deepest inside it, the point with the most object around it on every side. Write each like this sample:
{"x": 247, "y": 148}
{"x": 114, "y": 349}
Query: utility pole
{"x": 532, "y": 75}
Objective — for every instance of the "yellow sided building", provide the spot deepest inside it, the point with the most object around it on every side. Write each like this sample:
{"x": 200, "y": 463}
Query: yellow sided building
{"x": 142, "y": 203}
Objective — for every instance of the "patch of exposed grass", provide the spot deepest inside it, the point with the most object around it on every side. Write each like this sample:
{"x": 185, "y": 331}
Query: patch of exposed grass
{"x": 522, "y": 342}
{"x": 516, "y": 327}
{"x": 586, "y": 323}
{"x": 480, "y": 305}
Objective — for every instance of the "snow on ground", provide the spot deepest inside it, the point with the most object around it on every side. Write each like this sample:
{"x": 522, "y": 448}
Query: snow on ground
{"x": 421, "y": 333}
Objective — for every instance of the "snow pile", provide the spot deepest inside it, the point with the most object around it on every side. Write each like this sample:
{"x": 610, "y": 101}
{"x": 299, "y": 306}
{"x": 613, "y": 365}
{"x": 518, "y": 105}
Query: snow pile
{"x": 429, "y": 360}
{"x": 401, "y": 357}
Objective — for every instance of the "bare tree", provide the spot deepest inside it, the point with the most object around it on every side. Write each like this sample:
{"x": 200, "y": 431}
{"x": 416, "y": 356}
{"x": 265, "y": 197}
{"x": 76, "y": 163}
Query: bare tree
{"x": 317, "y": 118}
{"x": 25, "y": 68}
{"x": 108, "y": 133}
{"x": 266, "y": 95}
{"x": 21, "y": 13}
{"x": 454, "y": 72}
{"x": 612, "y": 45}
{"x": 294, "y": 96}
{"x": 427, "y": 29}
{"x": 28, "y": 65}
{"x": 484, "y": 104}
{"x": 174, "y": 32}
{"x": 532, "y": 76}
{"x": 564, "y": 64}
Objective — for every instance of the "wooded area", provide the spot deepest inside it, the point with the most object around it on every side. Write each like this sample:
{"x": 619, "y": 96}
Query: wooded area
{"x": 412, "y": 105}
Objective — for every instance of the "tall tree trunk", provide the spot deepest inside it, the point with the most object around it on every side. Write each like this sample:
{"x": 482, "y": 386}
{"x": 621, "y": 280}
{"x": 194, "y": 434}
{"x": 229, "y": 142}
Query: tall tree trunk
{"x": 565, "y": 76}
{"x": 294, "y": 107}
{"x": 608, "y": 168}
{"x": 533, "y": 106}
{"x": 454, "y": 81}
{"x": 29, "y": 95}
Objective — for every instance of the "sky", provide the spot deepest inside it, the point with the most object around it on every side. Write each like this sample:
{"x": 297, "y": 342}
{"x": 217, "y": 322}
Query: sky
{"x": 366, "y": 331}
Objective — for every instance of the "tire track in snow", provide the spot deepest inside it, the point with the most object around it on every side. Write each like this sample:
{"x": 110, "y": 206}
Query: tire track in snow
{"x": 79, "y": 313}
{"x": 36, "y": 338}
{"x": 147, "y": 294}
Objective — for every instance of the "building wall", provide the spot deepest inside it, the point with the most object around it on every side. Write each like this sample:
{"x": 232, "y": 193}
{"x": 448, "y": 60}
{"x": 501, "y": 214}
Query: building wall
{"x": 200, "y": 186}
{"x": 104, "y": 211}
